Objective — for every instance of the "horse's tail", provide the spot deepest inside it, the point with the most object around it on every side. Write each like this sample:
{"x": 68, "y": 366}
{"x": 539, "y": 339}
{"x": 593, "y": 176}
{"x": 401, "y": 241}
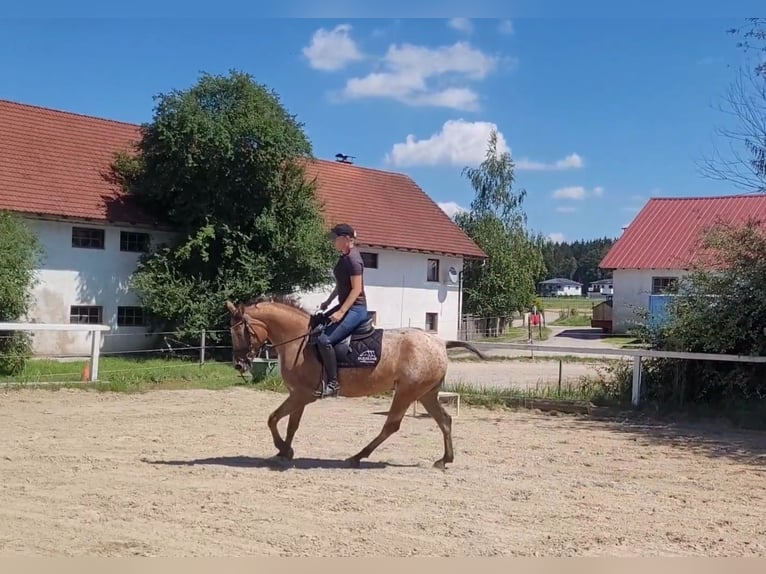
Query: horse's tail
{"x": 465, "y": 345}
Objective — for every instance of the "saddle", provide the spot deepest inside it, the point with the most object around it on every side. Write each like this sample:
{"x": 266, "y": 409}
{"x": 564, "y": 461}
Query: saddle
{"x": 362, "y": 348}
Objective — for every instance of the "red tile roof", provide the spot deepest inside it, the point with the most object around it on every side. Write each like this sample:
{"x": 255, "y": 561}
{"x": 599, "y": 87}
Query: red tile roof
{"x": 666, "y": 232}
{"x": 55, "y": 163}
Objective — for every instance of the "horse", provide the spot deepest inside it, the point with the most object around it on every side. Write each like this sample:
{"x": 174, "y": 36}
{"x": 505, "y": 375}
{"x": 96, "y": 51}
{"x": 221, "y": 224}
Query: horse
{"x": 410, "y": 361}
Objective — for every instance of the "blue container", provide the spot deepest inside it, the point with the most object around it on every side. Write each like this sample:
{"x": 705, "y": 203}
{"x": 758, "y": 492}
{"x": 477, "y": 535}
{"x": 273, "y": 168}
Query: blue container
{"x": 659, "y": 311}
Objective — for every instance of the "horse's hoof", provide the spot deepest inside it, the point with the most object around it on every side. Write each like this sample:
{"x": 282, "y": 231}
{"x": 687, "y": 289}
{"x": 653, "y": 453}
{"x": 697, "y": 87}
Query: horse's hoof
{"x": 286, "y": 454}
{"x": 439, "y": 464}
{"x": 353, "y": 462}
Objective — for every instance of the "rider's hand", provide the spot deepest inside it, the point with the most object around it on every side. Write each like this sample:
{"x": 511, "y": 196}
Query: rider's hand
{"x": 336, "y": 317}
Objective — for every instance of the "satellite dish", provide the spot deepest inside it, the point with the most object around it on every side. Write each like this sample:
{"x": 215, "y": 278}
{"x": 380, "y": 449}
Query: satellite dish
{"x": 452, "y": 275}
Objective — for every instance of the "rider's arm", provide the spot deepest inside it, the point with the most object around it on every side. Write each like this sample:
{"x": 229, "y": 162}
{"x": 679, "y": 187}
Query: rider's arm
{"x": 332, "y": 296}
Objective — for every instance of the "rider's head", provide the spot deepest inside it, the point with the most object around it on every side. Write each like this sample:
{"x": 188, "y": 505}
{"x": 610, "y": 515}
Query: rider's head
{"x": 343, "y": 235}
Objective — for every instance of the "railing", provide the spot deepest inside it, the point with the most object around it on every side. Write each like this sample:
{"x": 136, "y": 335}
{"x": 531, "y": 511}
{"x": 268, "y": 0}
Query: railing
{"x": 94, "y": 329}
{"x": 637, "y": 354}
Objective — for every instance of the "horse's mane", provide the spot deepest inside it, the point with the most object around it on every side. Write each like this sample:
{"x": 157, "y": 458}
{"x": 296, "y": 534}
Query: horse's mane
{"x": 287, "y": 300}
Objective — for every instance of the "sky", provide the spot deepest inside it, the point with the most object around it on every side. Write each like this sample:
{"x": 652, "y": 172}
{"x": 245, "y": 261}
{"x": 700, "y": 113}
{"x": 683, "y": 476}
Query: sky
{"x": 599, "y": 114}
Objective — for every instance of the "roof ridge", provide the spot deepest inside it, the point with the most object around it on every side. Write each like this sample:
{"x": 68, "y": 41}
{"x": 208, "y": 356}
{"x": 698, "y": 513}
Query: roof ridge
{"x": 364, "y": 167}
{"x": 64, "y": 112}
{"x": 722, "y": 196}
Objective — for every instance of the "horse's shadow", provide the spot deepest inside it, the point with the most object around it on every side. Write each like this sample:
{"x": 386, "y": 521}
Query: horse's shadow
{"x": 273, "y": 463}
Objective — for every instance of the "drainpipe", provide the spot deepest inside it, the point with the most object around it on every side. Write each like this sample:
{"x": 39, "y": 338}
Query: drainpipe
{"x": 459, "y": 301}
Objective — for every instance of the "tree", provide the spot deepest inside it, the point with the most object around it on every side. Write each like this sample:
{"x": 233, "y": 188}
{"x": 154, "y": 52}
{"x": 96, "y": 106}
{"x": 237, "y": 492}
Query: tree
{"x": 224, "y": 164}
{"x": 745, "y": 103}
{"x": 496, "y": 222}
{"x": 19, "y": 259}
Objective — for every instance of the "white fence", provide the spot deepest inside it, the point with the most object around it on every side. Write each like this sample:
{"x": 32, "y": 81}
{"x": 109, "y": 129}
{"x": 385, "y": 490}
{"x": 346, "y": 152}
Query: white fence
{"x": 637, "y": 355}
{"x": 94, "y": 329}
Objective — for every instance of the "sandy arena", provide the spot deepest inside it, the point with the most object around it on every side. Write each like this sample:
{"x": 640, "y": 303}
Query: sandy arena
{"x": 187, "y": 473}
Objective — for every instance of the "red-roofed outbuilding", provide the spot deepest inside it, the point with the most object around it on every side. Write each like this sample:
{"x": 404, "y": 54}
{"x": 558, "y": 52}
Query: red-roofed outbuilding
{"x": 662, "y": 244}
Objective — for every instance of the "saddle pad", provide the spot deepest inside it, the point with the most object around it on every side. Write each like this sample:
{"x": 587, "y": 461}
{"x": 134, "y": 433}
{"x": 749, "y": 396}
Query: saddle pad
{"x": 359, "y": 351}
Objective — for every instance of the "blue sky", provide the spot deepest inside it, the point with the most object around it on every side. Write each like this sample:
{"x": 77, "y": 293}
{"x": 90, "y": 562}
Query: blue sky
{"x": 599, "y": 114}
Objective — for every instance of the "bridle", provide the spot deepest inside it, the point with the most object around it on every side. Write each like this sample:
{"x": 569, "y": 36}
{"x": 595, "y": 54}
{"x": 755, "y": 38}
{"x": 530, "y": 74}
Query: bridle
{"x": 255, "y": 349}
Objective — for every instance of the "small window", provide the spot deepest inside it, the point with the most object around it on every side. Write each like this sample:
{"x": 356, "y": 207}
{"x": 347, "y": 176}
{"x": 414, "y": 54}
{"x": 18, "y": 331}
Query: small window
{"x": 370, "y": 260}
{"x": 432, "y": 322}
{"x": 90, "y": 314}
{"x": 374, "y": 316}
{"x": 134, "y": 242}
{"x": 87, "y": 238}
{"x": 660, "y": 284}
{"x": 433, "y": 270}
{"x": 131, "y": 317}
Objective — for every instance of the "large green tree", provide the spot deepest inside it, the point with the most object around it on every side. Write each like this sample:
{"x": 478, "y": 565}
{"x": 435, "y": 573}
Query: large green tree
{"x": 224, "y": 163}
{"x": 497, "y": 223}
{"x": 20, "y": 255}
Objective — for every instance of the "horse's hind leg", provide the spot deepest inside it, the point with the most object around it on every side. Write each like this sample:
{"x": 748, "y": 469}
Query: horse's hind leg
{"x": 430, "y": 402}
{"x": 399, "y": 407}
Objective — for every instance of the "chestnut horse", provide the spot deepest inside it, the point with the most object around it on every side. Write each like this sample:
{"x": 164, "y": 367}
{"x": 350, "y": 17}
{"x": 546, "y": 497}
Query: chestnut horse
{"x": 409, "y": 361}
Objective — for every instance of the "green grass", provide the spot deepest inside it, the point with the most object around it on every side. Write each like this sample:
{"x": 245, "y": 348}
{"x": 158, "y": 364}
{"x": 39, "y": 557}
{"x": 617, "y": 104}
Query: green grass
{"x": 573, "y": 321}
{"x": 554, "y": 303}
{"x": 518, "y": 335}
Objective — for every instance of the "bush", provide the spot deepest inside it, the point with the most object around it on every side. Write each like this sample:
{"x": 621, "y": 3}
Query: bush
{"x": 19, "y": 259}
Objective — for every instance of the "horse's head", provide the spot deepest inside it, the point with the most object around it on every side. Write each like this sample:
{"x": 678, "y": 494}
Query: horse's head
{"x": 248, "y": 335}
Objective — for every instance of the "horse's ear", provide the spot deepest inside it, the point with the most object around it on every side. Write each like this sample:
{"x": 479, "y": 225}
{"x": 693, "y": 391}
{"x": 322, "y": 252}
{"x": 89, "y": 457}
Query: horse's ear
{"x": 230, "y": 306}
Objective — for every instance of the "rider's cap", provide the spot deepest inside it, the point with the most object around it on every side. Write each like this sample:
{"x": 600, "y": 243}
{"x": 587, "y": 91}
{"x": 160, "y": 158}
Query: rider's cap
{"x": 343, "y": 230}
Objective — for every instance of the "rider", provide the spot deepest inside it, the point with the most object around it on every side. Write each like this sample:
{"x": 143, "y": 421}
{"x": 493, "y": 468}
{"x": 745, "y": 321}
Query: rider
{"x": 351, "y": 310}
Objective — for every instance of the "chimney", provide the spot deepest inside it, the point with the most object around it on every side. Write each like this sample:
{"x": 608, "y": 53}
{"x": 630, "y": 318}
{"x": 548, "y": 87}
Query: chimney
{"x": 343, "y": 158}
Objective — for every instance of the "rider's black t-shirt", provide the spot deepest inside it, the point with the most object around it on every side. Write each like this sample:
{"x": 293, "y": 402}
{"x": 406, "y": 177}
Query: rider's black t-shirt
{"x": 348, "y": 265}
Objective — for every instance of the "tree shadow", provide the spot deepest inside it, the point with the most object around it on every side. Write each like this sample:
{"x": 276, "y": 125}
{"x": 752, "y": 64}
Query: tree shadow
{"x": 276, "y": 464}
{"x": 712, "y": 439}
{"x": 585, "y": 333}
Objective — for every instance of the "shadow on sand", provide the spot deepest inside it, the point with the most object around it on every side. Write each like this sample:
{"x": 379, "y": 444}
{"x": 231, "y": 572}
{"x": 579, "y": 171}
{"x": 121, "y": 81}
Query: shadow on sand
{"x": 274, "y": 463}
{"x": 713, "y": 439}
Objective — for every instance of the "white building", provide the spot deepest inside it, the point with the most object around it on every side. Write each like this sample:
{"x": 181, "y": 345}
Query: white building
{"x": 560, "y": 287}
{"x": 53, "y": 170}
{"x": 661, "y": 246}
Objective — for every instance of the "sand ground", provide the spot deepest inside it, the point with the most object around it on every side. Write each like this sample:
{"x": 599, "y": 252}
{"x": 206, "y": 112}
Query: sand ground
{"x": 187, "y": 473}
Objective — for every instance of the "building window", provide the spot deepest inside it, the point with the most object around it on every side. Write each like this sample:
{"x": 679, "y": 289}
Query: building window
{"x": 87, "y": 238}
{"x": 131, "y": 317}
{"x": 373, "y": 315}
{"x": 432, "y": 322}
{"x": 90, "y": 314}
{"x": 433, "y": 270}
{"x": 134, "y": 241}
{"x": 660, "y": 284}
{"x": 370, "y": 260}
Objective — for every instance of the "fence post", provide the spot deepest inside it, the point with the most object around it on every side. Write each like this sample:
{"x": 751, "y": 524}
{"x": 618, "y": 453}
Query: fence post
{"x": 636, "y": 396}
{"x": 202, "y": 348}
{"x": 95, "y": 352}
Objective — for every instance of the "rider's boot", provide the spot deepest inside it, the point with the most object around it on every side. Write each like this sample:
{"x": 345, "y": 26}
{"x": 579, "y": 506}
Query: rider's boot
{"x": 330, "y": 384}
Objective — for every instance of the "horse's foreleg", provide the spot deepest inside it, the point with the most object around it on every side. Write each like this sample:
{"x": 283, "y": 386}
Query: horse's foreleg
{"x": 288, "y": 406}
{"x": 292, "y": 426}
{"x": 430, "y": 402}
{"x": 399, "y": 406}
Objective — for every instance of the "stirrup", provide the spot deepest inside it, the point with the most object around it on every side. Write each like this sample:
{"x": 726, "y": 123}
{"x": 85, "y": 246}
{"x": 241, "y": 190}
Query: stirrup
{"x": 328, "y": 390}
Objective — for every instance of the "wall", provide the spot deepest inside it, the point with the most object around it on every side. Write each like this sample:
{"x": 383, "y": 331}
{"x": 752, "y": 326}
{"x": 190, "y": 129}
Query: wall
{"x": 632, "y": 288}
{"x": 400, "y": 294}
{"x": 84, "y": 276}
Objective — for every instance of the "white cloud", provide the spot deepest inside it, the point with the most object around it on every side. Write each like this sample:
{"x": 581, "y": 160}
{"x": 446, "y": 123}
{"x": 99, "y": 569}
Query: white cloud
{"x": 556, "y": 237}
{"x": 461, "y": 24}
{"x": 506, "y": 27}
{"x": 451, "y": 208}
{"x": 407, "y": 70}
{"x": 566, "y": 209}
{"x": 577, "y": 192}
{"x": 458, "y": 143}
{"x": 331, "y": 50}
{"x": 572, "y": 161}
